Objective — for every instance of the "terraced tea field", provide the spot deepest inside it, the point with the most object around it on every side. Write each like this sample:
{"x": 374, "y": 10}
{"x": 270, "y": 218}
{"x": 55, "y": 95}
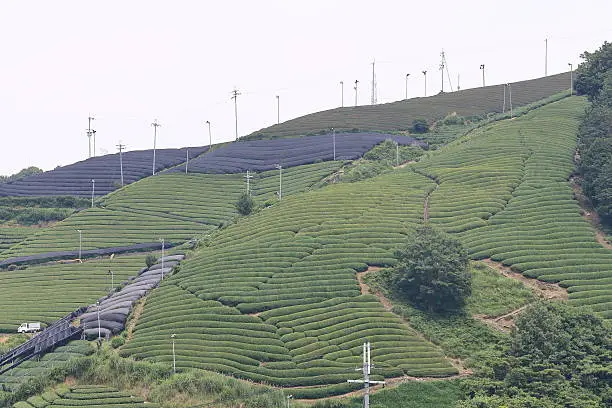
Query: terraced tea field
{"x": 176, "y": 207}
{"x": 75, "y": 179}
{"x": 505, "y": 191}
{"x": 10, "y": 236}
{"x": 86, "y": 396}
{"x": 47, "y": 292}
{"x": 399, "y": 115}
{"x": 274, "y": 298}
{"x": 33, "y": 368}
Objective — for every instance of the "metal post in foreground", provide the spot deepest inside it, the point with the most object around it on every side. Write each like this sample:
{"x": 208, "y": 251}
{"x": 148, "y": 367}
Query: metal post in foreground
{"x": 407, "y": 75}
{"x": 280, "y": 182}
{"x": 80, "y": 243}
{"x": 93, "y": 191}
{"x": 173, "y": 354}
{"x": 248, "y": 178}
{"x": 342, "y": 91}
{"x": 425, "y": 77}
{"x": 366, "y": 375}
{"x": 162, "y": 258}
{"x": 99, "y": 329}
{"x": 209, "y": 135}
{"x": 155, "y": 126}
{"x": 571, "y": 78}
{"x": 334, "y": 141}
{"x": 289, "y": 397}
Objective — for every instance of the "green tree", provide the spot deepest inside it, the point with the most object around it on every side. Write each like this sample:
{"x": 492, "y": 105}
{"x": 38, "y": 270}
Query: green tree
{"x": 432, "y": 271}
{"x": 245, "y": 204}
{"x": 29, "y": 171}
{"x": 591, "y": 73}
{"x": 420, "y": 126}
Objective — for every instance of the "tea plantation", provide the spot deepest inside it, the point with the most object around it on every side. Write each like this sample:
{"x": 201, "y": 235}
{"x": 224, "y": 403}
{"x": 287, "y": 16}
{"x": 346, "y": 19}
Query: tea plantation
{"x": 85, "y": 396}
{"x": 175, "y": 207}
{"x": 47, "y": 292}
{"x": 274, "y": 297}
{"x": 399, "y": 115}
{"x": 505, "y": 191}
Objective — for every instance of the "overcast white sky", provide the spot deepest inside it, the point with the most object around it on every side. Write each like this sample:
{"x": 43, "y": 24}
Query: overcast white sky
{"x": 129, "y": 62}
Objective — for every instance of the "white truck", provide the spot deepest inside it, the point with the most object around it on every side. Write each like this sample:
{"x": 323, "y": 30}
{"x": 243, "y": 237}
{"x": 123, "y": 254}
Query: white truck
{"x": 29, "y": 328}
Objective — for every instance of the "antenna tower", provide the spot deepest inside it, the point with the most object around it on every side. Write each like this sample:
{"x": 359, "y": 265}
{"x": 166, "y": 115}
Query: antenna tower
{"x": 374, "y": 99}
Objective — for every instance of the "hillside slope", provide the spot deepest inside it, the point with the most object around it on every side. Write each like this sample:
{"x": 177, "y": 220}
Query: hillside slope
{"x": 399, "y": 115}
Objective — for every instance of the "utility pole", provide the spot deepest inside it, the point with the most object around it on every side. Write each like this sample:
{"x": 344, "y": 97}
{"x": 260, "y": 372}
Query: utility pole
{"x": 235, "y": 94}
{"x": 366, "y": 375}
{"x": 173, "y": 354}
{"x": 155, "y": 126}
{"x": 187, "y": 162}
{"x": 280, "y": 181}
{"x": 458, "y": 86}
{"x": 209, "y": 136}
{"x": 571, "y": 78}
{"x": 510, "y": 98}
{"x": 482, "y": 67}
{"x": 374, "y": 99}
{"x": 442, "y": 71}
{"x": 504, "y": 104}
{"x": 407, "y": 75}
{"x": 94, "y": 142}
{"x": 334, "y": 141}
{"x": 546, "y": 57}
{"x": 90, "y": 133}
{"x": 277, "y": 109}
{"x": 425, "y": 76}
{"x": 163, "y": 242}
{"x": 248, "y": 178}
{"x": 121, "y": 147}
{"x": 99, "y": 329}
{"x": 342, "y": 93}
{"x": 355, "y": 88}
{"x": 80, "y": 243}
{"x": 110, "y": 272}
{"x": 93, "y": 191}
{"x": 89, "y": 140}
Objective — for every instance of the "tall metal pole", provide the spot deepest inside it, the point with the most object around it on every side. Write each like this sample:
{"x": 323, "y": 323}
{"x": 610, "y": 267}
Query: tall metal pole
{"x": 407, "y": 75}
{"x": 248, "y": 178}
{"x": 93, "y": 191}
{"x": 94, "y": 142}
{"x": 235, "y": 94}
{"x": 334, "y": 141}
{"x": 546, "y": 57}
{"x": 121, "y": 147}
{"x": 155, "y": 126}
{"x": 504, "y": 104}
{"x": 187, "y": 162}
{"x": 510, "y": 98}
{"x": 162, "y": 257}
{"x": 173, "y": 354}
{"x": 280, "y": 181}
{"x": 397, "y": 154}
{"x": 209, "y": 135}
{"x": 355, "y": 88}
{"x": 277, "y": 109}
{"x": 342, "y": 93}
{"x": 99, "y": 329}
{"x": 442, "y": 72}
{"x": 425, "y": 76}
{"x": 373, "y": 101}
{"x": 90, "y": 133}
{"x": 482, "y": 67}
{"x": 571, "y": 78}
{"x": 80, "y": 243}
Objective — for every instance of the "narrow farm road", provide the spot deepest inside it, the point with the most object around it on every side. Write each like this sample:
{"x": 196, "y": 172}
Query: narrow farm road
{"x": 503, "y": 323}
{"x": 138, "y": 308}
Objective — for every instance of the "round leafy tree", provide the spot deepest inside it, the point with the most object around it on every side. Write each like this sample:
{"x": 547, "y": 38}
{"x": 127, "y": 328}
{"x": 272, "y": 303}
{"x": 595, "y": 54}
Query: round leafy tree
{"x": 245, "y": 204}
{"x": 432, "y": 271}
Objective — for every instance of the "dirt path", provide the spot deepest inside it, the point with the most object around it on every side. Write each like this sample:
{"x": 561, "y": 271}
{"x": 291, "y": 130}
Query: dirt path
{"x": 135, "y": 316}
{"x": 503, "y": 323}
{"x": 589, "y": 213}
{"x": 543, "y": 290}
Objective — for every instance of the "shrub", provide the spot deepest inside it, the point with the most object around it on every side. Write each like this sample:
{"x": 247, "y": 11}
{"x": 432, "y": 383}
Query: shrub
{"x": 419, "y": 126}
{"x": 117, "y": 342}
{"x": 245, "y": 204}
{"x": 150, "y": 260}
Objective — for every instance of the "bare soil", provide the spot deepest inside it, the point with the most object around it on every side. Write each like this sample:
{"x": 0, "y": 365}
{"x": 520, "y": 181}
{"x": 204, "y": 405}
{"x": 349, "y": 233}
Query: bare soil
{"x": 589, "y": 213}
